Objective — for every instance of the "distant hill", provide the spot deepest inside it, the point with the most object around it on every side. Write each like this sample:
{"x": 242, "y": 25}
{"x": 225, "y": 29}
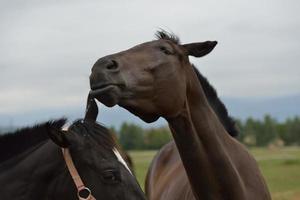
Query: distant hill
{"x": 279, "y": 107}
{"x": 6, "y": 129}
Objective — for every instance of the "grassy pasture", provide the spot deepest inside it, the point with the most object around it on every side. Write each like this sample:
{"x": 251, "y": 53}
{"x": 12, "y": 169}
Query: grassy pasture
{"x": 280, "y": 167}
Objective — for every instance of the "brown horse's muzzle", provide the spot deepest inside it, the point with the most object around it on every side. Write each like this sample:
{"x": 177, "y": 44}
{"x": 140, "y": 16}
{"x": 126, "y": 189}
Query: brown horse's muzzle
{"x": 106, "y": 82}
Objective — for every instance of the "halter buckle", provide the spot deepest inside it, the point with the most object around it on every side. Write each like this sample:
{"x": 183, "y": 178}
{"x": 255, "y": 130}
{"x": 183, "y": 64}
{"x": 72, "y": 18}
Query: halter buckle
{"x": 84, "y": 193}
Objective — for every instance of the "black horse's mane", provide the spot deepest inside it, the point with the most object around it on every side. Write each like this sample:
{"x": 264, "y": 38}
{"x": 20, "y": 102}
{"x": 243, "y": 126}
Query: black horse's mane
{"x": 105, "y": 138}
{"x": 14, "y": 143}
{"x": 19, "y": 141}
{"x": 210, "y": 93}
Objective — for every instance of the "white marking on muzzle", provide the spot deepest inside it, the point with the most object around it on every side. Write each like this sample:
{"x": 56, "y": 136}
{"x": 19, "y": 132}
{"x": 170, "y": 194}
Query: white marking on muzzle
{"x": 121, "y": 160}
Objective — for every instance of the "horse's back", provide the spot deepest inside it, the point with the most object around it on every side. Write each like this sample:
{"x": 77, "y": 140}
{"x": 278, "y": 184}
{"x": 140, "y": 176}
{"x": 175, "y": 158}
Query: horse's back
{"x": 166, "y": 178}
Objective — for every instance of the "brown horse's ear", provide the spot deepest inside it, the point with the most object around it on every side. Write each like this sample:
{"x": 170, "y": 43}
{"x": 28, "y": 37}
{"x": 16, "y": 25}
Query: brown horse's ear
{"x": 199, "y": 49}
{"x": 91, "y": 112}
{"x": 58, "y": 137}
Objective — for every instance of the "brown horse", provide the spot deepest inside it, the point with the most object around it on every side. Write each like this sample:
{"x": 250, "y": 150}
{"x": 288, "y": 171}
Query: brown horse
{"x": 156, "y": 79}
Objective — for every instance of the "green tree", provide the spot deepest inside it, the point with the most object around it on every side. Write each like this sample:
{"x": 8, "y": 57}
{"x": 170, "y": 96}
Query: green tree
{"x": 240, "y": 127}
{"x": 156, "y": 138}
{"x": 289, "y": 131}
{"x": 250, "y": 129}
{"x": 131, "y": 136}
{"x": 268, "y": 131}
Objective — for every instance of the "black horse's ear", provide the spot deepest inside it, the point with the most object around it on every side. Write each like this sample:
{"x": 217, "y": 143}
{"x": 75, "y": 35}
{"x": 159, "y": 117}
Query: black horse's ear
{"x": 199, "y": 49}
{"x": 91, "y": 112}
{"x": 58, "y": 137}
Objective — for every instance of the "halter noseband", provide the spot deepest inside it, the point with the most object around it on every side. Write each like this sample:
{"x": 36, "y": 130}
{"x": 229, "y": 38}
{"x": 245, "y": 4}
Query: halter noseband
{"x": 81, "y": 188}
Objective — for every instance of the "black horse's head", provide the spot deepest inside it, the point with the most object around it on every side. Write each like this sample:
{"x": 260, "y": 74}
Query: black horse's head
{"x": 98, "y": 161}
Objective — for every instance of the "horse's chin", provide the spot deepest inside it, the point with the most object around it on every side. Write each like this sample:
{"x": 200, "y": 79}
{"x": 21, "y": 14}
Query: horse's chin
{"x": 107, "y": 101}
{"x": 149, "y": 118}
{"x": 146, "y": 117}
{"x": 109, "y": 97}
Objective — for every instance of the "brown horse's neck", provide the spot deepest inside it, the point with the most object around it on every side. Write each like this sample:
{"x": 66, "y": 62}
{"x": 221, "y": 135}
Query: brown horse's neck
{"x": 203, "y": 145}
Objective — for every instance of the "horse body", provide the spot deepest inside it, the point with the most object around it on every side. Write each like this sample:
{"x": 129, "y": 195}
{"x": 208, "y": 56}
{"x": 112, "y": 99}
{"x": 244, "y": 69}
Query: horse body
{"x": 166, "y": 178}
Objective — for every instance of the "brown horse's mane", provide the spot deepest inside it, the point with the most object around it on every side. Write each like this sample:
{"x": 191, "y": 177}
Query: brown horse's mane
{"x": 210, "y": 93}
{"x": 217, "y": 105}
{"x": 14, "y": 143}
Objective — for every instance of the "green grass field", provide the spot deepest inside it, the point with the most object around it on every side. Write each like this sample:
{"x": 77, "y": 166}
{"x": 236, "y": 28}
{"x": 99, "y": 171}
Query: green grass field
{"x": 280, "y": 167}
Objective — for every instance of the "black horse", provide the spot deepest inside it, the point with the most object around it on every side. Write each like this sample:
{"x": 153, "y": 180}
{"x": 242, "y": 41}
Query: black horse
{"x": 33, "y": 167}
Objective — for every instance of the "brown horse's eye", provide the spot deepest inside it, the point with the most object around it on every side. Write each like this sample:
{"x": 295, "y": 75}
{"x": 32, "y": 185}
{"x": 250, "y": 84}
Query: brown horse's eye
{"x": 165, "y": 50}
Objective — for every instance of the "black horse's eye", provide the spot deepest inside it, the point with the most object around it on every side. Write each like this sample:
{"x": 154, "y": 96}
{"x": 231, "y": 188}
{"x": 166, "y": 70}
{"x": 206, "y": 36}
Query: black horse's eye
{"x": 165, "y": 50}
{"x": 111, "y": 176}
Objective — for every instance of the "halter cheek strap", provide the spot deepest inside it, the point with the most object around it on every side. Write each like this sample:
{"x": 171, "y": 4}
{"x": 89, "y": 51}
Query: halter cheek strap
{"x": 75, "y": 176}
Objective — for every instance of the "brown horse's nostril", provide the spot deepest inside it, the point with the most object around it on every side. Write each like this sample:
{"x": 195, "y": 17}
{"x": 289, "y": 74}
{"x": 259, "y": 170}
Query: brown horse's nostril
{"x": 112, "y": 65}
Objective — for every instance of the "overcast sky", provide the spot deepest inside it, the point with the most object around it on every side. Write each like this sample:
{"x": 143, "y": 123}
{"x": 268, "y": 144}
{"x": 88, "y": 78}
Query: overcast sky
{"x": 48, "y": 47}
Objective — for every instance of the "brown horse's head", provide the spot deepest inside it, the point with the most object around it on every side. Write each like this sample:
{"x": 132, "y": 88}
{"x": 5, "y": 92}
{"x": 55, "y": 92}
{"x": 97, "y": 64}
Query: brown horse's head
{"x": 150, "y": 80}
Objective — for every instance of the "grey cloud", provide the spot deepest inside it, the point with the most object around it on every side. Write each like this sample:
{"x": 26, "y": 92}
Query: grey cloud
{"x": 48, "y": 47}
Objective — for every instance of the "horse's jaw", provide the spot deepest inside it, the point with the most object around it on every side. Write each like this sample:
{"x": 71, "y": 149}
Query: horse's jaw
{"x": 146, "y": 117}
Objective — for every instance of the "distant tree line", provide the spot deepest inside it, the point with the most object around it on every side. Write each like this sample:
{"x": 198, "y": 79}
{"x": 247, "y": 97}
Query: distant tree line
{"x": 253, "y": 132}
{"x": 269, "y": 131}
{"x": 134, "y": 137}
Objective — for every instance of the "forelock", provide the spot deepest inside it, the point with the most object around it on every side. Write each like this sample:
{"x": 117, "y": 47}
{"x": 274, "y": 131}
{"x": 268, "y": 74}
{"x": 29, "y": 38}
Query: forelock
{"x": 164, "y": 35}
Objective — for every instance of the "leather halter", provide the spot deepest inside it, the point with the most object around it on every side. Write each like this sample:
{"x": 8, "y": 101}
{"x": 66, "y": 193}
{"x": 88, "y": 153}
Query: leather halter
{"x": 75, "y": 176}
